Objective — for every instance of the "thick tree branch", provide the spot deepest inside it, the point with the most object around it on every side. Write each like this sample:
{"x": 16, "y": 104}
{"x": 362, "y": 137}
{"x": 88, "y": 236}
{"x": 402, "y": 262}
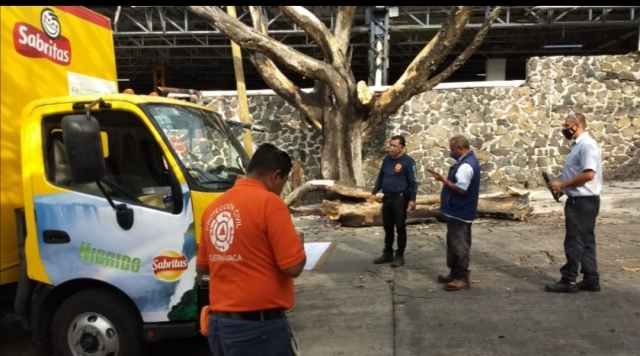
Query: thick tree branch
{"x": 250, "y": 39}
{"x": 413, "y": 79}
{"x": 317, "y": 31}
{"x": 366, "y": 96}
{"x": 349, "y": 56}
{"x": 278, "y": 82}
{"x": 343, "y": 26}
{"x": 259, "y": 22}
{"x": 464, "y": 56}
{"x": 342, "y": 34}
{"x": 343, "y": 86}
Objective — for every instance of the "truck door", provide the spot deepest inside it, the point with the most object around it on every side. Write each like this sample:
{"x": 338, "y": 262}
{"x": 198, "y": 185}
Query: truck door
{"x": 79, "y": 237}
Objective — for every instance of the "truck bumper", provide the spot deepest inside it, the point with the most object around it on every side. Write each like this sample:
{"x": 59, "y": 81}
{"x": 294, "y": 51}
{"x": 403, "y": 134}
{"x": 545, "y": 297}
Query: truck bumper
{"x": 155, "y": 332}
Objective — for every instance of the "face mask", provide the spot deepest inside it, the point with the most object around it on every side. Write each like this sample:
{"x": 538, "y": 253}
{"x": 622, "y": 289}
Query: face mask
{"x": 568, "y": 133}
{"x": 455, "y": 156}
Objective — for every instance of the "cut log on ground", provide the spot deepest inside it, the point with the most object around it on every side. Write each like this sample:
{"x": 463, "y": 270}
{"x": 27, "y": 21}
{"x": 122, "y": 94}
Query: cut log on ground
{"x": 329, "y": 186}
{"x": 307, "y": 210}
{"x": 512, "y": 204}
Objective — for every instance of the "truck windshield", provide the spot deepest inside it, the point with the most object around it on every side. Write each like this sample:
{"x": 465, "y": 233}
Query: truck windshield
{"x": 208, "y": 149}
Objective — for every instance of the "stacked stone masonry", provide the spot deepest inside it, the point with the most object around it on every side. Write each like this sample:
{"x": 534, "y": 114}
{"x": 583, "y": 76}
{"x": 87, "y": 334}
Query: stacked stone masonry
{"x": 515, "y": 131}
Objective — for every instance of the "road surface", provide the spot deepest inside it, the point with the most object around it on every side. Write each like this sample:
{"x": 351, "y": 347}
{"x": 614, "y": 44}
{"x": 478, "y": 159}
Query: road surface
{"x": 353, "y": 307}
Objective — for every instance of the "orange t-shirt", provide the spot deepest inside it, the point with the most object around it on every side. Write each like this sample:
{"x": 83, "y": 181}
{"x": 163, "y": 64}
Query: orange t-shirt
{"x": 247, "y": 239}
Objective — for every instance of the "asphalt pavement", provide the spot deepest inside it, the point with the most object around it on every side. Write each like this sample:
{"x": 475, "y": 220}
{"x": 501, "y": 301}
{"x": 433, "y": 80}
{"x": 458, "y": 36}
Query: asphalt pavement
{"x": 353, "y": 307}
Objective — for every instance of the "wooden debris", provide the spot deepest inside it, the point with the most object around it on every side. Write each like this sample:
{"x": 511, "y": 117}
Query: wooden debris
{"x": 352, "y": 209}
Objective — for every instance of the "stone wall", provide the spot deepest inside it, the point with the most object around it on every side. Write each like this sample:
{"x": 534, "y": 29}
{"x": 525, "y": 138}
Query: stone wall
{"x": 515, "y": 131}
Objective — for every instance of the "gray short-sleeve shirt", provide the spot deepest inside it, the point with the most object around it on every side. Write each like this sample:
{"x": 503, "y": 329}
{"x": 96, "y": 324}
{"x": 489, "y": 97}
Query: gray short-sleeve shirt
{"x": 585, "y": 155}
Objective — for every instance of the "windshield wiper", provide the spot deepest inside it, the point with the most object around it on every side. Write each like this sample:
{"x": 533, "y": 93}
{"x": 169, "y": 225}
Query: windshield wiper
{"x": 218, "y": 184}
{"x": 223, "y": 181}
{"x": 252, "y": 127}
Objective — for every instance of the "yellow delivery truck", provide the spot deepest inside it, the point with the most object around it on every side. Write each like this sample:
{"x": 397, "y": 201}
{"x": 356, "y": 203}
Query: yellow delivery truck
{"x": 102, "y": 193}
{"x": 46, "y": 51}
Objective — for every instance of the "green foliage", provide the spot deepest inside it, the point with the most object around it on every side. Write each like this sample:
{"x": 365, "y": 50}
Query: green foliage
{"x": 187, "y": 308}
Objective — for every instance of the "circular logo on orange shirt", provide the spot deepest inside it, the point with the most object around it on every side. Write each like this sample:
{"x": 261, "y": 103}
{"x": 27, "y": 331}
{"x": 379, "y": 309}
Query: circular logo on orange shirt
{"x": 168, "y": 266}
{"x": 221, "y": 231}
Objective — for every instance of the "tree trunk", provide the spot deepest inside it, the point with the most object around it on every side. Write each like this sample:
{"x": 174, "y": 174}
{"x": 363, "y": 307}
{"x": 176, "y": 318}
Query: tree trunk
{"x": 342, "y": 147}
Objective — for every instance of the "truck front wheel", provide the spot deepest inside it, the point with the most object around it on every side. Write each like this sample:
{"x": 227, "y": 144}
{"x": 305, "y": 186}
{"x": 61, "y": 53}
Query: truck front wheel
{"x": 97, "y": 322}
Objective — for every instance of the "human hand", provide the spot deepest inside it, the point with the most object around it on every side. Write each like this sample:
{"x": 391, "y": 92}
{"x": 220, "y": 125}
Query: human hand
{"x": 412, "y": 206}
{"x": 555, "y": 187}
{"x": 437, "y": 176}
{"x": 372, "y": 199}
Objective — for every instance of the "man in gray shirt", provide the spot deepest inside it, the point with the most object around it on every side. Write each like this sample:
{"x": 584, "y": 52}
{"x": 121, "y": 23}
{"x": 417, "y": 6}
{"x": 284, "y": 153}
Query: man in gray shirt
{"x": 581, "y": 183}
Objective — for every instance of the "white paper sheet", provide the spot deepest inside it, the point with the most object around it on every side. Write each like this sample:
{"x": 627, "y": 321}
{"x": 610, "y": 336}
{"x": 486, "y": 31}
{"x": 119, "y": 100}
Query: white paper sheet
{"x": 314, "y": 251}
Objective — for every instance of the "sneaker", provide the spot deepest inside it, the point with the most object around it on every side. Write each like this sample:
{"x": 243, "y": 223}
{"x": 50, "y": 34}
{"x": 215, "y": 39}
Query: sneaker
{"x": 398, "y": 261}
{"x": 561, "y": 287}
{"x": 589, "y": 287}
{"x": 456, "y": 285}
{"x": 385, "y": 258}
{"x": 445, "y": 279}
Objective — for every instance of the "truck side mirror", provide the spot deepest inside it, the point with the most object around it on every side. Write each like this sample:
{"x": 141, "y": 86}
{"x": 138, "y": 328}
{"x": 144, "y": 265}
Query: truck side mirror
{"x": 81, "y": 134}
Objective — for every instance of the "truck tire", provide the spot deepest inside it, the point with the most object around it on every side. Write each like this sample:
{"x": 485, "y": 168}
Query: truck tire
{"x": 97, "y": 322}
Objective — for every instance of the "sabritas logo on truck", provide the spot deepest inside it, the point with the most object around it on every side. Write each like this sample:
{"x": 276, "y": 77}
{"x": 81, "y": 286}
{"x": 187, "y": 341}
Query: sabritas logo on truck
{"x": 169, "y": 265}
{"x": 47, "y": 43}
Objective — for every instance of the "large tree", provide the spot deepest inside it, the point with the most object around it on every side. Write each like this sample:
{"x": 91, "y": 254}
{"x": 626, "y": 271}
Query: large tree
{"x": 343, "y": 110}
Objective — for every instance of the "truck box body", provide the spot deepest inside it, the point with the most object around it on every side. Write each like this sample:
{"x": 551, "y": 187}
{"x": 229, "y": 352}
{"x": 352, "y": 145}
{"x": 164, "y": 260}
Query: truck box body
{"x": 47, "y": 51}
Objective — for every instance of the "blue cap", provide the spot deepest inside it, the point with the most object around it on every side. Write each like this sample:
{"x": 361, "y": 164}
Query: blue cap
{"x": 167, "y": 199}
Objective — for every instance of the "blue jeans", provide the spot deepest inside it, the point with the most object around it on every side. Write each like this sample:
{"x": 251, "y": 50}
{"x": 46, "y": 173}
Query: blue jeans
{"x": 229, "y": 337}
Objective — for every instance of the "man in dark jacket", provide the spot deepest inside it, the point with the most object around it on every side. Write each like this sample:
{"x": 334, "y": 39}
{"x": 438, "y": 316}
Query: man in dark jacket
{"x": 459, "y": 203}
{"x": 397, "y": 179}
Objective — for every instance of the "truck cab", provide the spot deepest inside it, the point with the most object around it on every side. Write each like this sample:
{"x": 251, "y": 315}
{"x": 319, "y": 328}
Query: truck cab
{"x": 114, "y": 190}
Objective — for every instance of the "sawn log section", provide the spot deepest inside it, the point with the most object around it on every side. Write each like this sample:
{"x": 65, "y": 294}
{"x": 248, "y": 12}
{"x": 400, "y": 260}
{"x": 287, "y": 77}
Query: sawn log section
{"x": 511, "y": 204}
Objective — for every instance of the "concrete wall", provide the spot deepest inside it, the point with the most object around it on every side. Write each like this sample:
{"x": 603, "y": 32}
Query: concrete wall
{"x": 514, "y": 130}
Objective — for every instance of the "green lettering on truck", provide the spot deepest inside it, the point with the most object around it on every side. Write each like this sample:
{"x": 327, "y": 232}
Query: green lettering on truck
{"x": 109, "y": 259}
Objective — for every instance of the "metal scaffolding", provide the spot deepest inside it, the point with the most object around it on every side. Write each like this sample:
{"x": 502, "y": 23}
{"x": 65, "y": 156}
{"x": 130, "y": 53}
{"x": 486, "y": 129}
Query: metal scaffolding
{"x": 527, "y": 16}
{"x": 160, "y": 27}
{"x": 384, "y": 39}
{"x": 379, "y": 45}
{"x": 152, "y": 20}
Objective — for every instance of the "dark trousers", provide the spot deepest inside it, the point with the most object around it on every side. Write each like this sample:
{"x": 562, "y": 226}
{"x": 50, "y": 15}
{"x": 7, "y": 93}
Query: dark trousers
{"x": 458, "y": 248}
{"x": 229, "y": 337}
{"x": 394, "y": 214}
{"x": 580, "y": 239}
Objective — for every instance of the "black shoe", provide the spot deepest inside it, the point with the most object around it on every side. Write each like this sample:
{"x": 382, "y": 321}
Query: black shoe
{"x": 398, "y": 261}
{"x": 561, "y": 287}
{"x": 589, "y": 287}
{"x": 385, "y": 258}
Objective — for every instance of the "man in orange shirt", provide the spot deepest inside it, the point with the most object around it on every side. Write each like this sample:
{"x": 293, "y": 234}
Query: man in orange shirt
{"x": 252, "y": 252}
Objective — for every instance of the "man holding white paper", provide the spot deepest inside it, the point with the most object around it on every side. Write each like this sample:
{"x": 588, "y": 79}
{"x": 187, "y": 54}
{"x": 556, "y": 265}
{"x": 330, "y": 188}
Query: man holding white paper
{"x": 252, "y": 252}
